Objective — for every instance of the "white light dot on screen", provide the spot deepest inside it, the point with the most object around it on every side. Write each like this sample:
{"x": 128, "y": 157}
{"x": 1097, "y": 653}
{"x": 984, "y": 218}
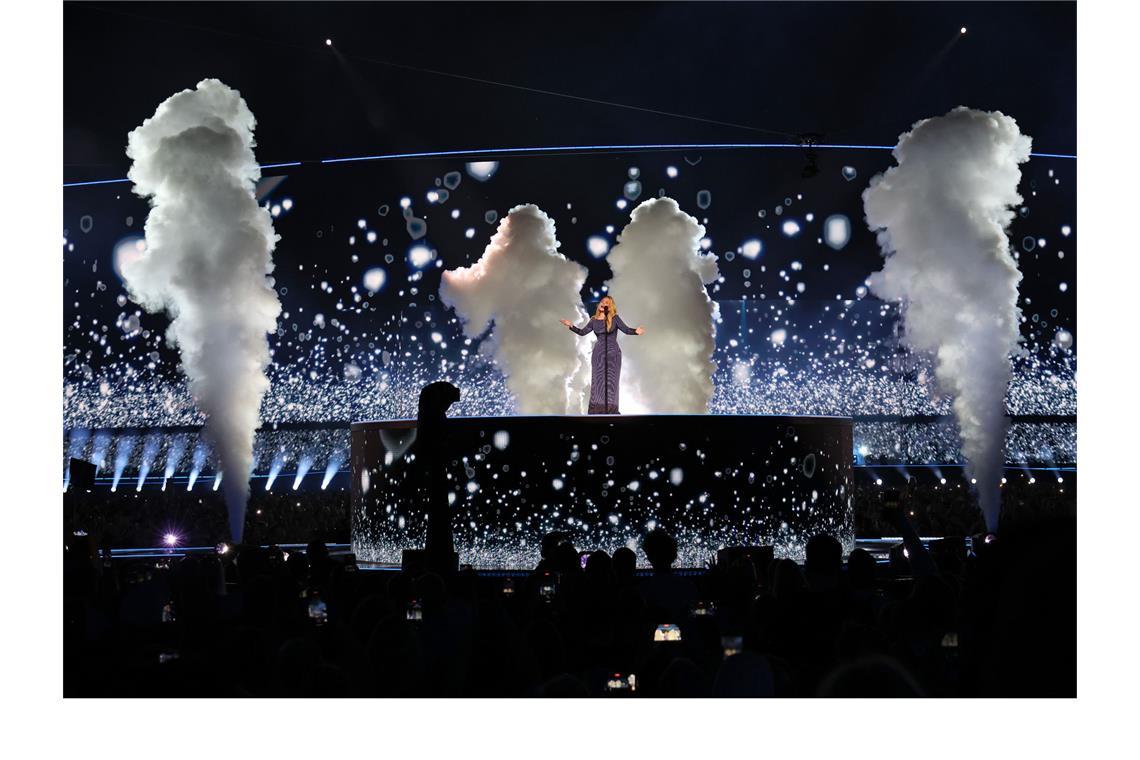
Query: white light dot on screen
{"x": 502, "y": 440}
{"x": 469, "y": 233}
{"x": 836, "y": 231}
{"x": 557, "y": 484}
{"x": 791, "y": 228}
{"x": 1066, "y": 230}
{"x": 962, "y": 30}
{"x": 598, "y": 246}
{"x": 779, "y": 336}
{"x": 1064, "y": 286}
{"x": 420, "y": 256}
{"x": 751, "y": 248}
{"x": 405, "y": 202}
{"x": 371, "y": 236}
{"x": 432, "y": 196}
{"x": 374, "y": 279}
{"x": 287, "y": 204}
{"x": 621, "y": 203}
{"x": 482, "y": 170}
{"x": 361, "y": 223}
{"x": 328, "y": 43}
{"x": 455, "y": 213}
{"x": 671, "y": 172}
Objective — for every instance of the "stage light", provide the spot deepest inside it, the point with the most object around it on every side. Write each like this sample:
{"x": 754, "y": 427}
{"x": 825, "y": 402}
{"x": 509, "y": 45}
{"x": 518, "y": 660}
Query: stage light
{"x": 878, "y": 481}
{"x": 942, "y": 481}
{"x": 1060, "y": 479}
{"x": 1032, "y": 481}
{"x": 328, "y": 42}
{"x": 962, "y": 30}
{"x": 170, "y": 539}
{"x": 302, "y": 470}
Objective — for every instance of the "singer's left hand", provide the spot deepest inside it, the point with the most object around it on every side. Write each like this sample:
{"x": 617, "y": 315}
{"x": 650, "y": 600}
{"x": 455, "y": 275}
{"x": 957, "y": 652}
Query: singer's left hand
{"x": 640, "y": 331}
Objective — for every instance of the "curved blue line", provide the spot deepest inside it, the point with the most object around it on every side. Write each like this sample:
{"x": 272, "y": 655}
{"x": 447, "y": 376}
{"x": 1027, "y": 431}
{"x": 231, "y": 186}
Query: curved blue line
{"x": 571, "y": 149}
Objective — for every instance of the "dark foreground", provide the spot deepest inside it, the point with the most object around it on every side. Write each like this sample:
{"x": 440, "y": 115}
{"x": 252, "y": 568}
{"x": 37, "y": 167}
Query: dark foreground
{"x": 996, "y": 621}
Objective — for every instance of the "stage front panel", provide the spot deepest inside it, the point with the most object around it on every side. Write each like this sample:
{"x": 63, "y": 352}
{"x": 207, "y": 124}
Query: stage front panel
{"x": 712, "y": 481}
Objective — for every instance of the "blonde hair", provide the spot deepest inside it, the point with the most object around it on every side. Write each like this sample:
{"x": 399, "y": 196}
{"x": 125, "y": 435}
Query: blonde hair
{"x": 608, "y": 316}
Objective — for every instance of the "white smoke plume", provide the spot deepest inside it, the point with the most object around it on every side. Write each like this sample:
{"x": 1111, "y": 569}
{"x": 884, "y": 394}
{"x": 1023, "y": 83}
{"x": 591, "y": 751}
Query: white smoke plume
{"x": 659, "y": 283}
{"x": 941, "y": 215}
{"x": 207, "y": 263}
{"x": 525, "y": 286}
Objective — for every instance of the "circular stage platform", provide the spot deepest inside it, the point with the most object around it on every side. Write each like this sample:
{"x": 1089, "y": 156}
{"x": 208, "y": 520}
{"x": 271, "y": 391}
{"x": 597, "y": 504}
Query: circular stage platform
{"x": 712, "y": 481}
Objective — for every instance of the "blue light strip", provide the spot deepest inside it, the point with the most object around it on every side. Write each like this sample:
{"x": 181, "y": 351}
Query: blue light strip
{"x": 570, "y": 149}
{"x": 125, "y": 179}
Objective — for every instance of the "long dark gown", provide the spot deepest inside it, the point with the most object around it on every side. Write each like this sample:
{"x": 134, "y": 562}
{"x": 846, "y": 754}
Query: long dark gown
{"x": 605, "y": 364}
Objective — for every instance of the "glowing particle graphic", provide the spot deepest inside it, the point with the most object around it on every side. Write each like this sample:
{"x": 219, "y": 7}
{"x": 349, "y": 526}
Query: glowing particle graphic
{"x": 1063, "y": 339}
{"x": 419, "y": 256}
{"x": 704, "y": 199}
{"x": 632, "y": 190}
{"x": 778, "y": 337}
{"x": 751, "y": 248}
{"x": 671, "y": 172}
{"x": 374, "y": 279}
{"x": 849, "y": 173}
{"x": 1066, "y": 230}
{"x": 482, "y": 170}
{"x": 557, "y": 484}
{"x": 676, "y": 475}
{"x": 127, "y": 251}
{"x": 836, "y": 231}
{"x": 598, "y": 246}
{"x": 791, "y": 228}
{"x": 502, "y": 439}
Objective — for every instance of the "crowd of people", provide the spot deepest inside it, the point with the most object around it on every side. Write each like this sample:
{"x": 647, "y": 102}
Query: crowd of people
{"x": 956, "y": 618}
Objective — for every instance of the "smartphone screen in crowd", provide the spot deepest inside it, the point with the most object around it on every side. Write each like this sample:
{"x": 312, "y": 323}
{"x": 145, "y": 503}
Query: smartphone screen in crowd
{"x": 667, "y": 632}
{"x": 318, "y": 610}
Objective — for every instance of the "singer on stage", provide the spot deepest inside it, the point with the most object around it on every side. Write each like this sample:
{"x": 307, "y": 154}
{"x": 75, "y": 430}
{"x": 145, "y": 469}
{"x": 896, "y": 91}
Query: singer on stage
{"x": 606, "y": 358}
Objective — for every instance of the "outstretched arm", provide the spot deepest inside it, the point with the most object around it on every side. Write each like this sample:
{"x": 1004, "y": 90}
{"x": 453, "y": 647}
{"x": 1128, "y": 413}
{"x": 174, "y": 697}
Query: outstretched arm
{"x": 626, "y": 328}
{"x": 580, "y": 330}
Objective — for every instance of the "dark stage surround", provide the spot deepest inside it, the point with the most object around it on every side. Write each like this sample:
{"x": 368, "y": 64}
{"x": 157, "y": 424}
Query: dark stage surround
{"x": 711, "y": 480}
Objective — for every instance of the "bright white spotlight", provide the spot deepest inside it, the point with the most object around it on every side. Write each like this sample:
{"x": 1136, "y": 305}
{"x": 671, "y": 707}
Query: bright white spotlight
{"x": 170, "y": 539}
{"x": 962, "y": 30}
{"x": 328, "y": 42}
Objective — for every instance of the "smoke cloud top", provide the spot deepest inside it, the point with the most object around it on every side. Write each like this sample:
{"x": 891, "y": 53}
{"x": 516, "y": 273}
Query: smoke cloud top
{"x": 659, "y": 283}
{"x": 941, "y": 215}
{"x": 207, "y": 263}
{"x": 525, "y": 286}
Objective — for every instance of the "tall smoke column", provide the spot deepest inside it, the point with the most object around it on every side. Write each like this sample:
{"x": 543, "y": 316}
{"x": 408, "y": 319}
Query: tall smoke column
{"x": 525, "y": 286}
{"x": 941, "y": 217}
{"x": 659, "y": 283}
{"x": 207, "y": 263}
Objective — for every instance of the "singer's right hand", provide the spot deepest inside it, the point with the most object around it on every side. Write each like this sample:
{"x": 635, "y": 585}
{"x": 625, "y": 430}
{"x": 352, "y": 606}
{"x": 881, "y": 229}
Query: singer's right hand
{"x": 565, "y": 322}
